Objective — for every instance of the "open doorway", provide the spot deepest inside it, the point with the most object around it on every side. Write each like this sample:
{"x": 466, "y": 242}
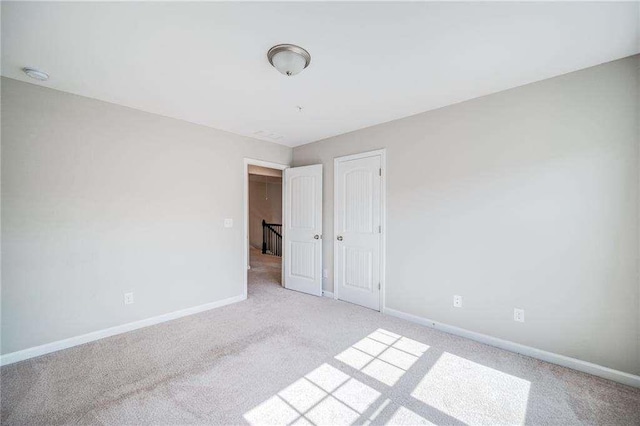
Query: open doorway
{"x": 263, "y": 225}
{"x": 300, "y": 238}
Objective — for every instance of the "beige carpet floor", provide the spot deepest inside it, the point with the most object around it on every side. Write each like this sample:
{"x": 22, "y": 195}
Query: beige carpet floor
{"x": 287, "y": 358}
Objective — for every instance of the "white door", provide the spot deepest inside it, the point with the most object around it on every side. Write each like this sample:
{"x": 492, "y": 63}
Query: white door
{"x": 303, "y": 229}
{"x": 358, "y": 229}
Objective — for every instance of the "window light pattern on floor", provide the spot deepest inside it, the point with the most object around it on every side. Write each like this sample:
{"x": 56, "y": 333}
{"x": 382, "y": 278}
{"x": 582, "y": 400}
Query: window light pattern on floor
{"x": 324, "y": 396}
{"x": 490, "y": 396}
{"x": 453, "y": 388}
{"x": 328, "y": 396}
{"x": 383, "y": 355}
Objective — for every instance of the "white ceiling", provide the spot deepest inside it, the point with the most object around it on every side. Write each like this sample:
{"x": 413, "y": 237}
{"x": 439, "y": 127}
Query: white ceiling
{"x": 371, "y": 62}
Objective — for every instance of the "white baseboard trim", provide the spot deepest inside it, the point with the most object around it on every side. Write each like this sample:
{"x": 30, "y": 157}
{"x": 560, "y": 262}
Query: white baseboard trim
{"x": 327, "y": 294}
{"x": 35, "y": 351}
{"x": 565, "y": 361}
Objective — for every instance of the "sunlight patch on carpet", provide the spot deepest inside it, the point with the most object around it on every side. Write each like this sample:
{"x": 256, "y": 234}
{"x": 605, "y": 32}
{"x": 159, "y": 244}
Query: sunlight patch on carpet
{"x": 473, "y": 393}
{"x": 328, "y": 395}
{"x": 324, "y": 396}
{"x": 383, "y": 355}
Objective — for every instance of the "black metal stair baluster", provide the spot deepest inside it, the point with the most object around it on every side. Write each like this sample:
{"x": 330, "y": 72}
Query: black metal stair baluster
{"x": 272, "y": 238}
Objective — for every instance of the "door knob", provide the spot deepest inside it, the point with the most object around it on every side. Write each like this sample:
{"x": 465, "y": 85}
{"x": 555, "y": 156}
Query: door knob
{"x": 339, "y": 237}
{"x": 316, "y": 237}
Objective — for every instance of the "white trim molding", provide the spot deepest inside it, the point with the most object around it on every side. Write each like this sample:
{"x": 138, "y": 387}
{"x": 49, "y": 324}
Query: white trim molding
{"x": 35, "y": 351}
{"x": 245, "y": 213}
{"x": 565, "y": 361}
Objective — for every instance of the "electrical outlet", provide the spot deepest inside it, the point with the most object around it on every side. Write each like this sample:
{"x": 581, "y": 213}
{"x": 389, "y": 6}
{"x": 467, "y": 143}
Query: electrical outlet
{"x": 457, "y": 301}
{"x": 228, "y": 223}
{"x": 128, "y": 298}
{"x": 325, "y": 273}
{"x": 518, "y": 315}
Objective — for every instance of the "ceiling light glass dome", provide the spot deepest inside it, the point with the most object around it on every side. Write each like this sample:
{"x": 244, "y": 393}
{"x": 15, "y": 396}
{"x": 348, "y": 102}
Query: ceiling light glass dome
{"x": 289, "y": 59}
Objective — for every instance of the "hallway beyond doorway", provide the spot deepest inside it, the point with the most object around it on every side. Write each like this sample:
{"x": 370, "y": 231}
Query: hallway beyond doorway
{"x": 266, "y": 270}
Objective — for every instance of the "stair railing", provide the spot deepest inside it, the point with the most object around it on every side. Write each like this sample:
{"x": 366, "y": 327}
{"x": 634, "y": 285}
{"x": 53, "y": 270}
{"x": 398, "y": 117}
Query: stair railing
{"x": 272, "y": 238}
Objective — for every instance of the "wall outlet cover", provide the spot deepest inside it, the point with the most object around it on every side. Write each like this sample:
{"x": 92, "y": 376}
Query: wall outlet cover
{"x": 518, "y": 315}
{"x": 228, "y": 223}
{"x": 128, "y": 298}
{"x": 457, "y": 301}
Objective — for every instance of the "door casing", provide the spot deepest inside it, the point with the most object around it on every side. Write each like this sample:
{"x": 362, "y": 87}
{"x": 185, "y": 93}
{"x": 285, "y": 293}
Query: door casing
{"x": 383, "y": 218}
{"x": 245, "y": 208}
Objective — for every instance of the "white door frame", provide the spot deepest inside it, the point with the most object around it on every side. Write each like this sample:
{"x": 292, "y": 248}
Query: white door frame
{"x": 245, "y": 208}
{"x": 383, "y": 218}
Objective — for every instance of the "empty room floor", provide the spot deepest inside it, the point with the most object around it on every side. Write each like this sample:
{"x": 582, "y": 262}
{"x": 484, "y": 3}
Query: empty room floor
{"x": 282, "y": 357}
{"x": 266, "y": 270}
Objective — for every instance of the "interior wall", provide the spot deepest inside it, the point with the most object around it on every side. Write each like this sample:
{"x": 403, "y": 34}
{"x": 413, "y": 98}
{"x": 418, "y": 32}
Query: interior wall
{"x": 527, "y": 199}
{"x": 99, "y": 200}
{"x": 265, "y": 203}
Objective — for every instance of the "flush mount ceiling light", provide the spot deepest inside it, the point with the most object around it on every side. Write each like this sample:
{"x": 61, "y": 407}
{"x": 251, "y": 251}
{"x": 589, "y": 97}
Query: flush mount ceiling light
{"x": 289, "y": 59}
{"x": 34, "y": 73}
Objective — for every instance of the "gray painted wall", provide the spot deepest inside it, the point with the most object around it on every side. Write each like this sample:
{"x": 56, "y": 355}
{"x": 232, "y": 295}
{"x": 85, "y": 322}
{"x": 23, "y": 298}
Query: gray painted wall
{"x": 99, "y": 200}
{"x": 527, "y": 198}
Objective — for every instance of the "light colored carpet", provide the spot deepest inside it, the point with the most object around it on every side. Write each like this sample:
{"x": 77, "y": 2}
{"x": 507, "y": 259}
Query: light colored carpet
{"x": 282, "y": 357}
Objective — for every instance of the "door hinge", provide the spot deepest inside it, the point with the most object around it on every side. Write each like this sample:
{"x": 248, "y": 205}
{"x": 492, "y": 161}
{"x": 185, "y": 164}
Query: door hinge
{"x": 379, "y": 229}
{"x": 378, "y": 286}
{"x": 379, "y": 172}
